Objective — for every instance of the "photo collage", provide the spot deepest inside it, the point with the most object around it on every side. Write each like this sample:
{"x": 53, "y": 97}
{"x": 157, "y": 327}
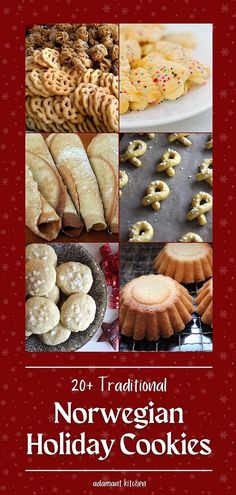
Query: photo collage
{"x": 118, "y": 188}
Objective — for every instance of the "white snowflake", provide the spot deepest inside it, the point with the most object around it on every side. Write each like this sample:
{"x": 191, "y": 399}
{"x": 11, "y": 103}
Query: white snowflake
{"x": 106, "y": 8}
{"x": 224, "y": 8}
{"x": 225, "y": 52}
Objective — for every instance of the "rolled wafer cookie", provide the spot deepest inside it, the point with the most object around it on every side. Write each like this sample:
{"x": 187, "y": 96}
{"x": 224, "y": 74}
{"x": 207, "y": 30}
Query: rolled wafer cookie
{"x": 73, "y": 164}
{"x": 41, "y": 218}
{"x": 59, "y": 198}
{"x": 45, "y": 172}
{"x": 72, "y": 225}
{"x": 103, "y": 155}
{"x": 49, "y": 186}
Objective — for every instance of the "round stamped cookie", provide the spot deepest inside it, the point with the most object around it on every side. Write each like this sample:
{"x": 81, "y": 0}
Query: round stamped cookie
{"x": 56, "y": 336}
{"x": 78, "y": 312}
{"x": 41, "y": 315}
{"x": 40, "y": 277}
{"x": 41, "y": 251}
{"x": 73, "y": 277}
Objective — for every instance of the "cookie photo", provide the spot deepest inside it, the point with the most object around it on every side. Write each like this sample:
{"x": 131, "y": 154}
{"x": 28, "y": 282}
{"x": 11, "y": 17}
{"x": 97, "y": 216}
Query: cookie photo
{"x": 41, "y": 251}
{"x": 54, "y": 294}
{"x": 78, "y": 312}
{"x": 73, "y": 277}
{"x": 40, "y": 277}
{"x": 57, "y": 335}
{"x": 41, "y": 315}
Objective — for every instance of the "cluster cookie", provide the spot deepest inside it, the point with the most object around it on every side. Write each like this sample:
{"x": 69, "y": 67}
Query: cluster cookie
{"x": 44, "y": 281}
{"x": 71, "y": 83}
{"x": 82, "y": 46}
{"x": 155, "y": 67}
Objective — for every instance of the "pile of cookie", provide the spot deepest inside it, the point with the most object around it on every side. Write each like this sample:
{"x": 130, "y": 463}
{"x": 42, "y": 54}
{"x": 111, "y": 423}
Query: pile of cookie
{"x": 44, "y": 281}
{"x": 155, "y": 66}
{"x": 71, "y": 78}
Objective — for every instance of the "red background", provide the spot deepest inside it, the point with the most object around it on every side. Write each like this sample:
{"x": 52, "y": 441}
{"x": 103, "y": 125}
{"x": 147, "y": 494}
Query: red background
{"x": 27, "y": 395}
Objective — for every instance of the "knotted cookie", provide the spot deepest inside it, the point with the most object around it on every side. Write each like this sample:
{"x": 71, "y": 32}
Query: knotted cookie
{"x": 201, "y": 204}
{"x": 190, "y": 237}
{"x": 135, "y": 149}
{"x": 141, "y": 231}
{"x": 209, "y": 143}
{"x": 156, "y": 191}
{"x": 123, "y": 180}
{"x": 206, "y": 172}
{"x": 181, "y": 137}
{"x": 169, "y": 159}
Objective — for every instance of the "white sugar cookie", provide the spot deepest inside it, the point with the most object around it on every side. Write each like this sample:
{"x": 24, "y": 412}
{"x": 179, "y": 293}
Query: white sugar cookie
{"x": 41, "y": 315}
{"x": 57, "y": 335}
{"x": 54, "y": 295}
{"x": 40, "y": 277}
{"x": 78, "y": 312}
{"x": 73, "y": 277}
{"x": 42, "y": 251}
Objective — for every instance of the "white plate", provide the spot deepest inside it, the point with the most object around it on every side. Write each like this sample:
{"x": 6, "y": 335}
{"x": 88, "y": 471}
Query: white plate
{"x": 193, "y": 103}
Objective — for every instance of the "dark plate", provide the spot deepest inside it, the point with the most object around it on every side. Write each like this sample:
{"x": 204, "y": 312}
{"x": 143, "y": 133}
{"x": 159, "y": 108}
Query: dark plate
{"x": 75, "y": 252}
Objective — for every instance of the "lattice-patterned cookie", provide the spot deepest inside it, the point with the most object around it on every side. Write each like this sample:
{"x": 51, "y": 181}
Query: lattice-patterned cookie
{"x": 49, "y": 106}
{"x": 51, "y": 58}
{"x": 34, "y": 83}
{"x": 81, "y": 95}
{"x": 109, "y": 110}
{"x": 68, "y": 126}
{"x": 37, "y": 58}
{"x": 57, "y": 82}
{"x": 30, "y": 64}
{"x": 36, "y": 104}
{"x": 70, "y": 111}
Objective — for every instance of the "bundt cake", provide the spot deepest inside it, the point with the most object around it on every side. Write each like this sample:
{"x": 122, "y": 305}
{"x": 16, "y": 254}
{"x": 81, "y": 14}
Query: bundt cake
{"x": 154, "y": 306}
{"x": 185, "y": 262}
{"x": 204, "y": 302}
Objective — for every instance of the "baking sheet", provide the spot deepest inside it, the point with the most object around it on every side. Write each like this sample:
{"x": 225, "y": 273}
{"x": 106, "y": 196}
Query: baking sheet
{"x": 169, "y": 223}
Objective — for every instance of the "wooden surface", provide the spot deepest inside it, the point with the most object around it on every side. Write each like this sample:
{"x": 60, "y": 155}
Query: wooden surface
{"x": 93, "y": 236}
